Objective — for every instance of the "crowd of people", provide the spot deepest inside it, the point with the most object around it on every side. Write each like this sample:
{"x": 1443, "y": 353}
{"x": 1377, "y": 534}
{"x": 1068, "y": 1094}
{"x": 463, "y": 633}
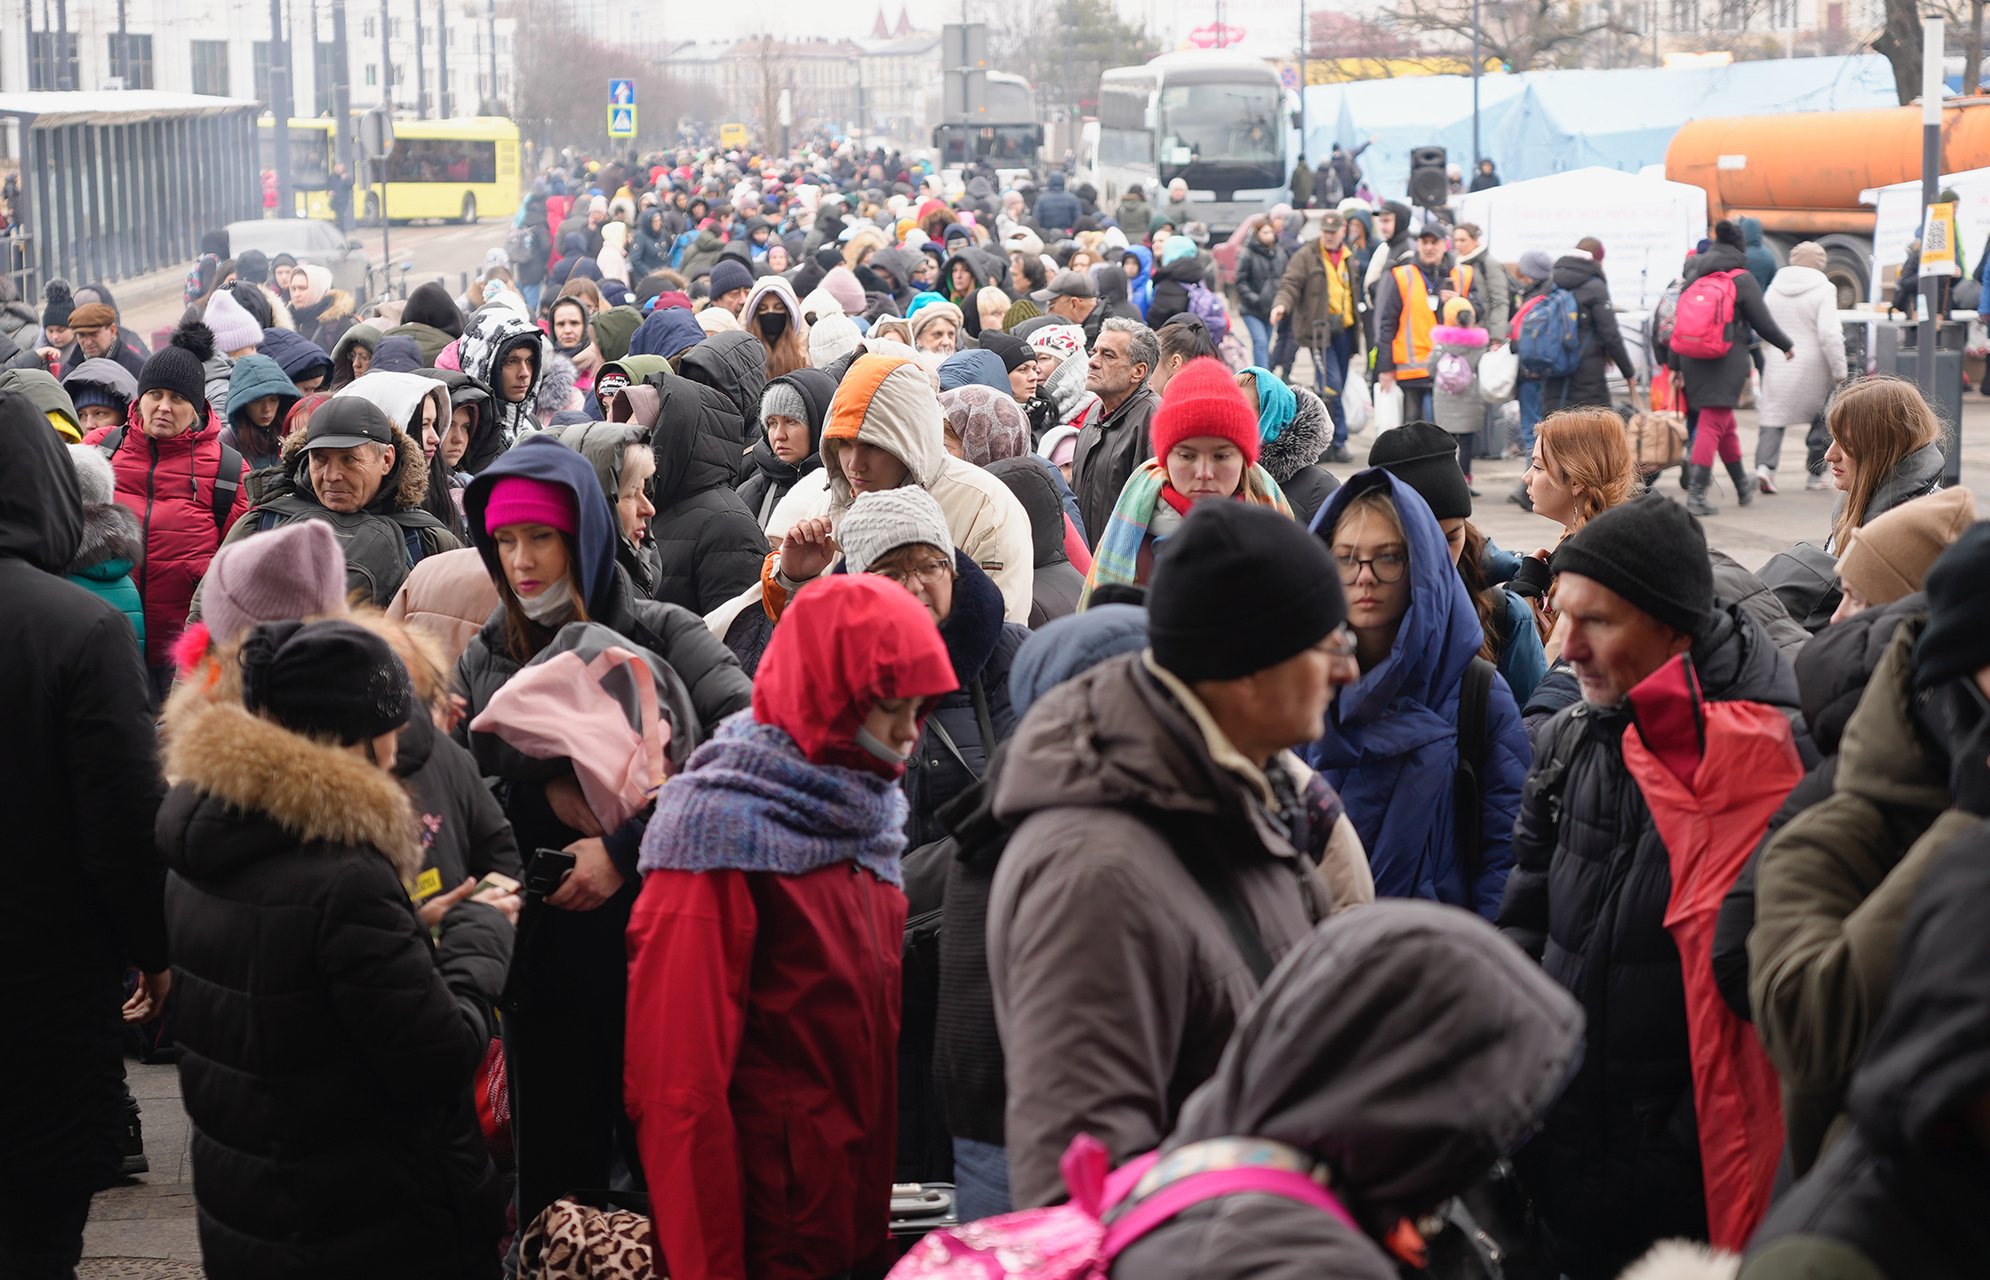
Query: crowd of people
{"x": 793, "y": 686}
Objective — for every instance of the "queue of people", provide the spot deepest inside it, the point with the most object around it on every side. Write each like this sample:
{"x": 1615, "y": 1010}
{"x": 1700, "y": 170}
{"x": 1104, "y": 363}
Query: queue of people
{"x": 619, "y": 776}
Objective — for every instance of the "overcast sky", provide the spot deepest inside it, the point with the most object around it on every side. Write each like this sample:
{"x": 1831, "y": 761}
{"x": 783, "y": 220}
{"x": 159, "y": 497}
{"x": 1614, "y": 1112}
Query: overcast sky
{"x": 1262, "y": 20}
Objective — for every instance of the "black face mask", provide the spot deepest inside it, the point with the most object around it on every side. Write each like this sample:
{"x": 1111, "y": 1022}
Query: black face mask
{"x": 773, "y": 324}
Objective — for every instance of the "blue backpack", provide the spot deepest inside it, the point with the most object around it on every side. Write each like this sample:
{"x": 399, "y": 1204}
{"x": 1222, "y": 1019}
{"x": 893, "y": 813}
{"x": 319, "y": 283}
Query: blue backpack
{"x": 1550, "y": 342}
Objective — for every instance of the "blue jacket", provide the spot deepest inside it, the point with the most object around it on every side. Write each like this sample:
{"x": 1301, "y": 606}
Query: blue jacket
{"x": 1140, "y": 288}
{"x": 1391, "y": 746}
{"x": 110, "y": 581}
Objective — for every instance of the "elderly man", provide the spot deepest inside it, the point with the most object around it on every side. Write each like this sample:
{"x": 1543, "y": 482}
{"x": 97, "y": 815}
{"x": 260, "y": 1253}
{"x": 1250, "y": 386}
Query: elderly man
{"x": 1070, "y": 295}
{"x": 1616, "y": 1167}
{"x": 99, "y": 336}
{"x": 1117, "y": 441}
{"x": 367, "y": 479}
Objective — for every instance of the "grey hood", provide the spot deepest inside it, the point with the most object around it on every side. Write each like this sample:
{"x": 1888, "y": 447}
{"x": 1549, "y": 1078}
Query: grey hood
{"x": 1408, "y": 1045}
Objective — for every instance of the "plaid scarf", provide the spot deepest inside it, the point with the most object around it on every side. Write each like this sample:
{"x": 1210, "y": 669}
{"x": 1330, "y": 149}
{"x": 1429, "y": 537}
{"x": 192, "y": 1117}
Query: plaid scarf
{"x": 1118, "y": 556}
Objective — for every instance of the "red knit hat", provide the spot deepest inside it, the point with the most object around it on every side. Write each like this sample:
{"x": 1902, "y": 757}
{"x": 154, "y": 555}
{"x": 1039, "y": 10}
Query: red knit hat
{"x": 1203, "y": 400}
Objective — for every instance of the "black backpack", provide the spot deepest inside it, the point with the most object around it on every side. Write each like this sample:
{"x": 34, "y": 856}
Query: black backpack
{"x": 1474, "y": 712}
{"x": 227, "y": 477}
{"x": 380, "y": 547}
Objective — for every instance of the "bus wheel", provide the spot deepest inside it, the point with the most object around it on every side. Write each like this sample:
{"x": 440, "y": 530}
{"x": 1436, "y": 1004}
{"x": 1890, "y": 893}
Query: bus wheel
{"x": 372, "y": 214}
{"x": 469, "y": 207}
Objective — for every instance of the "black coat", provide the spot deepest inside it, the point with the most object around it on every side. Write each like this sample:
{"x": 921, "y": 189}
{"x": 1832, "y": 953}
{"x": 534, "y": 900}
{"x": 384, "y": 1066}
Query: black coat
{"x": 768, "y": 479}
{"x": 1259, "y": 269}
{"x": 1055, "y": 583}
{"x": 464, "y": 832}
{"x": 328, "y": 1049}
{"x": 1110, "y": 447}
{"x": 709, "y": 545}
{"x": 1616, "y": 1166}
{"x": 79, "y": 778}
{"x": 1603, "y": 343}
{"x": 1171, "y": 290}
{"x": 1718, "y": 384}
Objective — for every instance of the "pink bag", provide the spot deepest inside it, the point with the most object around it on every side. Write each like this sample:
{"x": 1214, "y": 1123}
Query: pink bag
{"x": 600, "y": 713}
{"x": 1072, "y": 1241}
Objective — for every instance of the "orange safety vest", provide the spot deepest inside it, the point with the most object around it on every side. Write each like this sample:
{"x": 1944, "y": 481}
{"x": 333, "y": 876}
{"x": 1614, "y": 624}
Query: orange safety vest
{"x": 1414, "y": 322}
{"x": 1461, "y": 280}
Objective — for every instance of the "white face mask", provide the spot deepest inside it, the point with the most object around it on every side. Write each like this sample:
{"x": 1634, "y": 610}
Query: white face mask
{"x": 875, "y": 745}
{"x": 551, "y": 605}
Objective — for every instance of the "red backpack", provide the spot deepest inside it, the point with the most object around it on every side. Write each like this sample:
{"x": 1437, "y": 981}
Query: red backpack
{"x": 1705, "y": 314}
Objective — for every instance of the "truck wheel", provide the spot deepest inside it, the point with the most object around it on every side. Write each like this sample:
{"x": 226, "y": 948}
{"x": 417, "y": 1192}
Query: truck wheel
{"x": 1848, "y": 265}
{"x": 469, "y": 207}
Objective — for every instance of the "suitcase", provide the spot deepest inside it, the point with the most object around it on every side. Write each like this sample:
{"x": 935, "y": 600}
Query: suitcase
{"x": 919, "y": 1207}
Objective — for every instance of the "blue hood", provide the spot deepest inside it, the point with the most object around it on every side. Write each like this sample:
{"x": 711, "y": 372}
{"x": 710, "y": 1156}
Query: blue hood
{"x": 295, "y": 354}
{"x": 254, "y": 377}
{"x": 667, "y": 333}
{"x": 1391, "y": 746}
{"x": 1069, "y": 647}
{"x": 545, "y": 458}
{"x": 974, "y": 367}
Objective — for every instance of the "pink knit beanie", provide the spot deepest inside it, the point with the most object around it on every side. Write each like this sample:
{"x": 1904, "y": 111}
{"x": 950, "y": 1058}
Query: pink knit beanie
{"x": 294, "y": 571}
{"x": 524, "y": 500}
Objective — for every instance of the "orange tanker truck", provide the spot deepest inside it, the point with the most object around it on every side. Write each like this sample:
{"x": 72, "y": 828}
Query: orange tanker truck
{"x": 1801, "y": 173}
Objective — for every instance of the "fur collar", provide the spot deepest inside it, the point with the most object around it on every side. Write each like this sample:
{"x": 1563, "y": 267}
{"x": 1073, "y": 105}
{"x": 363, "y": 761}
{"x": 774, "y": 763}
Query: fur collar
{"x": 408, "y": 482}
{"x": 1302, "y": 442}
{"x": 110, "y": 532}
{"x": 313, "y": 791}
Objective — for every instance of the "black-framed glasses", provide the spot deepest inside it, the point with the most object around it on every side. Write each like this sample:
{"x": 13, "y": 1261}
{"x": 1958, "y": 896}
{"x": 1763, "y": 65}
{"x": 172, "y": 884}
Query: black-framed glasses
{"x": 1387, "y": 567}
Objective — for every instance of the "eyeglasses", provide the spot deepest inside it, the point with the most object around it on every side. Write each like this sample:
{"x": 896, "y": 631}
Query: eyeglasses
{"x": 1387, "y": 567}
{"x": 930, "y": 574}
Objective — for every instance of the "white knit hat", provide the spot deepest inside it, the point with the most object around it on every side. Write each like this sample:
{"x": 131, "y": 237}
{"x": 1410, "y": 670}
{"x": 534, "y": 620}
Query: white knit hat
{"x": 831, "y": 338}
{"x": 234, "y": 328}
{"x": 881, "y": 522}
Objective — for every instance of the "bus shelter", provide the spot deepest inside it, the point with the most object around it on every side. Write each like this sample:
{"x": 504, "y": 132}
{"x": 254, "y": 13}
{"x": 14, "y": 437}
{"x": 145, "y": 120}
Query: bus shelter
{"x": 116, "y": 184}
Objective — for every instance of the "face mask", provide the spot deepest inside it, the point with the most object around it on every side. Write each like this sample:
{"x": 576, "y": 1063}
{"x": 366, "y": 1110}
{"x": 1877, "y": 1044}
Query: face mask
{"x": 774, "y": 324}
{"x": 550, "y": 605}
{"x": 875, "y": 746}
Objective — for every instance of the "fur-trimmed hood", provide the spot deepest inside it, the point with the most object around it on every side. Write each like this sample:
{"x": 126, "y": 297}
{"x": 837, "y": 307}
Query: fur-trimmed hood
{"x": 403, "y": 490}
{"x": 1302, "y": 441}
{"x": 110, "y": 532}
{"x": 239, "y": 763}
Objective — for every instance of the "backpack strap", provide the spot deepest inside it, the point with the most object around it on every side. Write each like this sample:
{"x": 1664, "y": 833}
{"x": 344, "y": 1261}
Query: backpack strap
{"x": 1221, "y": 890}
{"x": 1193, "y": 1187}
{"x": 982, "y": 719}
{"x": 1468, "y": 816}
{"x": 110, "y": 444}
{"x": 227, "y": 483}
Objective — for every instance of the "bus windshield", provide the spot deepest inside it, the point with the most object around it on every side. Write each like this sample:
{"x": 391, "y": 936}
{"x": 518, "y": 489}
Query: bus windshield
{"x": 1238, "y": 123}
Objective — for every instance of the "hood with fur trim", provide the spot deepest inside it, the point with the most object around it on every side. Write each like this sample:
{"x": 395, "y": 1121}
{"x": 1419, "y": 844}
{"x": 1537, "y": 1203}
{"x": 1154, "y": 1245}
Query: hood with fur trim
{"x": 403, "y": 489}
{"x": 110, "y": 532}
{"x": 244, "y": 768}
{"x": 888, "y": 402}
{"x": 1302, "y": 442}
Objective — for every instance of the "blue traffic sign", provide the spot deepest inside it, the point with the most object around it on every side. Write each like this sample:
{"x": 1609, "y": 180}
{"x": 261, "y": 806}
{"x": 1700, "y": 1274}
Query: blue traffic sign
{"x": 622, "y": 92}
{"x": 621, "y": 122}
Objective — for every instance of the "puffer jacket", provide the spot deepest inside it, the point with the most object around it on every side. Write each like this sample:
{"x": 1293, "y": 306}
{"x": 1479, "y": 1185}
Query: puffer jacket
{"x": 112, "y": 546}
{"x": 1903, "y": 1193}
{"x": 464, "y": 832}
{"x": 709, "y": 547}
{"x": 326, "y": 321}
{"x": 1617, "y": 1164}
{"x": 1171, "y": 290}
{"x": 1055, "y": 583}
{"x": 327, "y": 1046}
{"x": 1260, "y": 268}
{"x": 1391, "y": 747}
{"x": 1116, "y": 981}
{"x": 605, "y": 445}
{"x": 169, "y": 486}
{"x": 358, "y": 335}
{"x": 1804, "y": 304}
{"x": 1294, "y": 458}
{"x": 1718, "y": 383}
{"x": 735, "y": 366}
{"x": 1110, "y": 447}
{"x": 1915, "y": 476}
{"x": 768, "y": 479}
{"x": 1602, "y": 340}
{"x": 254, "y": 378}
{"x": 449, "y": 597}
{"x": 486, "y": 441}
{"x": 1135, "y": 217}
{"x": 1402, "y": 1046}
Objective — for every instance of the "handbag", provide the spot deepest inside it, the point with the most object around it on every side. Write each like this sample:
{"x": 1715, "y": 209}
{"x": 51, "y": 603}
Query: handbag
{"x": 591, "y": 1235}
{"x": 1499, "y": 375}
{"x": 1657, "y": 438}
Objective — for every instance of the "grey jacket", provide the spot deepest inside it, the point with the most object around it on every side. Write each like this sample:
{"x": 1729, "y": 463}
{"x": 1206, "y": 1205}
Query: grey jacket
{"x": 1403, "y": 1045}
{"x": 1115, "y": 979}
{"x": 1108, "y": 451}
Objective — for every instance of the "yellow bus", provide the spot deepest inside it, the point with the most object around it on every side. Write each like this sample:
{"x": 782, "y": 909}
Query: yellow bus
{"x": 447, "y": 169}
{"x": 312, "y": 142}
{"x": 733, "y": 136}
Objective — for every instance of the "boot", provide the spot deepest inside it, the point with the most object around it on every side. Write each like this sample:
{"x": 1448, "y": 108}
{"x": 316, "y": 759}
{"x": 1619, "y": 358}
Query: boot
{"x": 131, "y": 1143}
{"x": 1744, "y": 484}
{"x": 1697, "y": 479}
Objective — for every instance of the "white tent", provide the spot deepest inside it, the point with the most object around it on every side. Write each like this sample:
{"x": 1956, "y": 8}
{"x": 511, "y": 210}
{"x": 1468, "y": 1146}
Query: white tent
{"x": 1647, "y": 225}
{"x": 1899, "y": 223}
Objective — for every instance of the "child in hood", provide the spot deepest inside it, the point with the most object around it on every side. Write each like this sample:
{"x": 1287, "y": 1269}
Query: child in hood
{"x": 1456, "y": 346}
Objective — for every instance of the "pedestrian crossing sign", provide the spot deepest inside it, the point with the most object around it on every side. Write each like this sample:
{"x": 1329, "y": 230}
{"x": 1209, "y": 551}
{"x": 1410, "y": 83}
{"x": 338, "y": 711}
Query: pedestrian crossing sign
{"x": 622, "y": 121}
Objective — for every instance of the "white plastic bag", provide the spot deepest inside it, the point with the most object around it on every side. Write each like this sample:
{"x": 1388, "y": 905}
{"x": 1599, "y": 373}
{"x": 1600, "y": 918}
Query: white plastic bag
{"x": 1388, "y": 409}
{"x": 1355, "y": 405}
{"x": 1499, "y": 374}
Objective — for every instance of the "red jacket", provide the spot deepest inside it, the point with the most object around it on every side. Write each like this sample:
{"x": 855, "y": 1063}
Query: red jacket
{"x": 760, "y": 1068}
{"x": 169, "y": 485}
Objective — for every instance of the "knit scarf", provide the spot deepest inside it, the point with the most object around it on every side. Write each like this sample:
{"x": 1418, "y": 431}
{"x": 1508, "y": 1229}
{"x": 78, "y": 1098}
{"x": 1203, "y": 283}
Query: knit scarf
{"x": 1340, "y": 293}
{"x": 1118, "y": 556}
{"x": 748, "y": 800}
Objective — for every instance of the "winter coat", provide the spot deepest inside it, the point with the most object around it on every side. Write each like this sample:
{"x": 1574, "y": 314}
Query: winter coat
{"x": 449, "y": 597}
{"x": 1464, "y": 413}
{"x": 464, "y": 832}
{"x": 668, "y": 331}
{"x": 1260, "y": 269}
{"x": 169, "y": 486}
{"x": 709, "y": 547}
{"x": 768, "y": 479}
{"x": 327, "y": 320}
{"x": 1391, "y": 748}
{"x": 1804, "y": 304}
{"x": 112, "y": 546}
{"x": 428, "y": 339}
{"x": 358, "y": 335}
{"x": 1109, "y": 448}
{"x": 81, "y": 786}
{"x": 491, "y": 335}
{"x": 1171, "y": 290}
{"x": 127, "y": 352}
{"x": 1057, "y": 210}
{"x": 1492, "y": 293}
{"x": 1903, "y": 1193}
{"x": 702, "y": 255}
{"x": 486, "y": 442}
{"x": 255, "y": 377}
{"x": 650, "y": 251}
{"x": 605, "y": 445}
{"x": 327, "y": 1046}
{"x": 1617, "y": 1164}
{"x": 1761, "y": 263}
{"x": 106, "y": 375}
{"x": 1294, "y": 458}
{"x": 1718, "y": 383}
{"x": 735, "y": 366}
{"x": 1116, "y": 980}
{"x": 1915, "y": 476}
{"x": 1404, "y": 1048}
{"x": 1832, "y": 891}
{"x": 1135, "y": 218}
{"x": 298, "y": 356}
{"x": 1602, "y": 341}
{"x": 1055, "y": 583}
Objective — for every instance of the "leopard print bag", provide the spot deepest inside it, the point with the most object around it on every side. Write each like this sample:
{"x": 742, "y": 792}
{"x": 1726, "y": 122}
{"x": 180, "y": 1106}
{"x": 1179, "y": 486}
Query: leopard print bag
{"x": 570, "y": 1240}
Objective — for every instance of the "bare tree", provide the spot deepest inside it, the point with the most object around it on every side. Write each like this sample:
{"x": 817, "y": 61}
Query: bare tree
{"x": 1899, "y": 42}
{"x": 1526, "y": 35}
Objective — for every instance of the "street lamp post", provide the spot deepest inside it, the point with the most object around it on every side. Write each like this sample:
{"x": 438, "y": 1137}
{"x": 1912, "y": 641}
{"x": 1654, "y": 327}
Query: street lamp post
{"x": 1476, "y": 59}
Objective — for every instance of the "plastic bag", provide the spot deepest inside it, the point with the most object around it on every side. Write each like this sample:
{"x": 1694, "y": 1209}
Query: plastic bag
{"x": 1499, "y": 374}
{"x": 1388, "y": 409}
{"x": 1355, "y": 404}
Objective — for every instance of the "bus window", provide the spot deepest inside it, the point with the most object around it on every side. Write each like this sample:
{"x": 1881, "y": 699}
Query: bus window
{"x": 1238, "y": 123}
{"x": 442, "y": 160}
{"x": 310, "y": 154}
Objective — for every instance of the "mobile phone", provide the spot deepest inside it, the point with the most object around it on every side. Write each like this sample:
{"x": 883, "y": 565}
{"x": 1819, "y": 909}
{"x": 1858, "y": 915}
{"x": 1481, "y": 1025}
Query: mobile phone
{"x": 496, "y": 880}
{"x": 547, "y": 868}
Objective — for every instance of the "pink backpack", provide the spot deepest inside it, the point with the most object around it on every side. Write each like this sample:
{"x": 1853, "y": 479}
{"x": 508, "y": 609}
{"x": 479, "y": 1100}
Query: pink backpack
{"x": 1705, "y": 313}
{"x": 1073, "y": 1241}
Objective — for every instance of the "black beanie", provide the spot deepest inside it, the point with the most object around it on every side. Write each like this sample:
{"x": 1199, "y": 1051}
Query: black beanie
{"x": 58, "y": 303}
{"x": 1013, "y": 351}
{"x": 1652, "y": 553}
{"x": 1425, "y": 457}
{"x": 1239, "y": 588}
{"x": 178, "y": 366}
{"x": 331, "y": 680}
{"x": 1956, "y": 642}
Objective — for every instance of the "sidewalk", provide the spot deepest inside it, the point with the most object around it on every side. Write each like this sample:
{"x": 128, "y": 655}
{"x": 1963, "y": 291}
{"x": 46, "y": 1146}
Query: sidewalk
{"x": 144, "y": 1229}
